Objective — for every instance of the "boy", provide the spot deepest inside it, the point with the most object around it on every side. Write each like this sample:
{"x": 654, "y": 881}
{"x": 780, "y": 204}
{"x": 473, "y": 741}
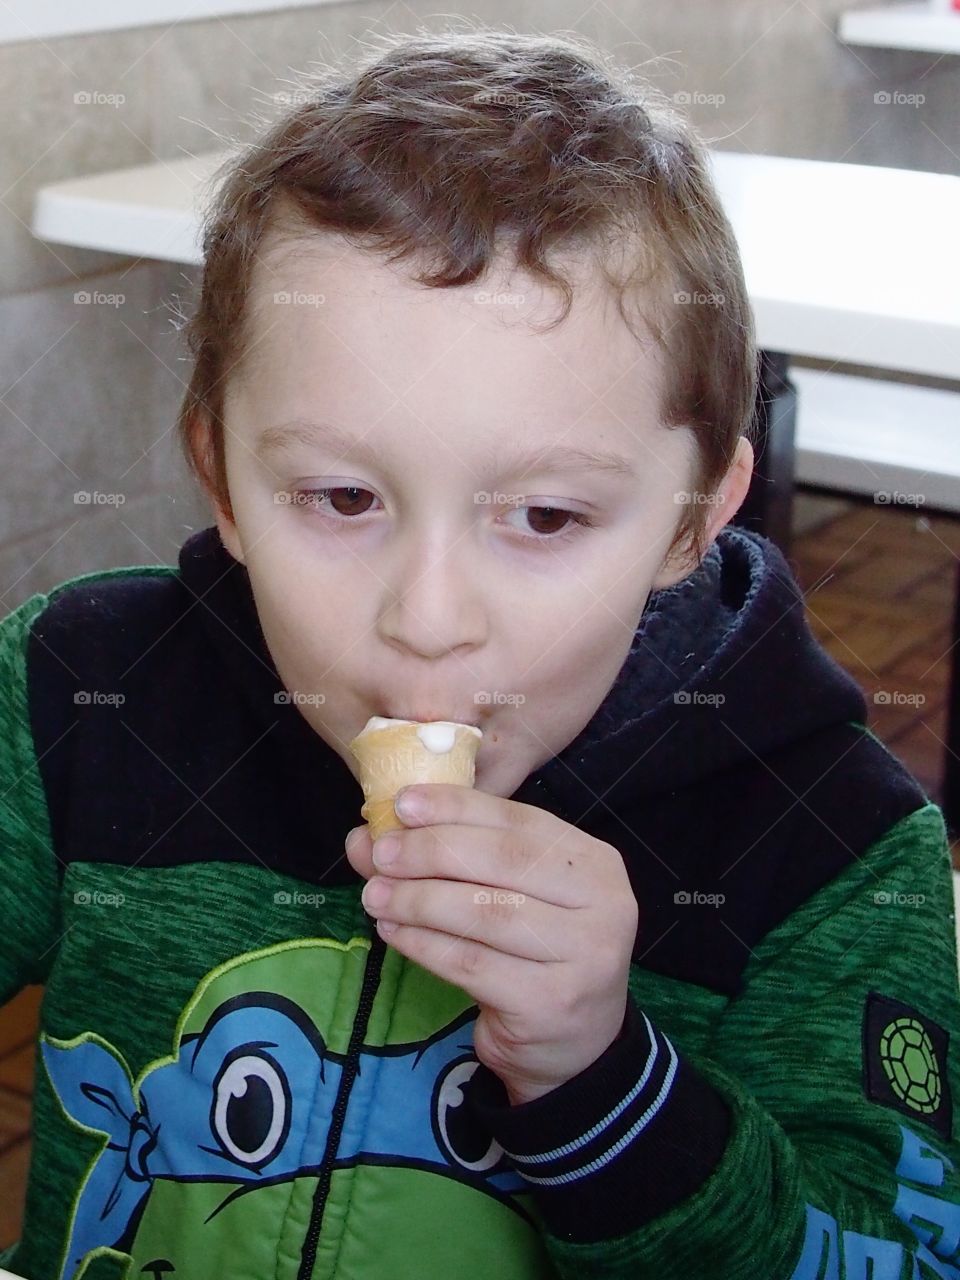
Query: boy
{"x": 672, "y": 991}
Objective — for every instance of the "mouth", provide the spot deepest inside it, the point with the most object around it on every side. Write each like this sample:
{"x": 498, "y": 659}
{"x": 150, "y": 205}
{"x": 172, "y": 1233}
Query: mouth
{"x": 431, "y": 716}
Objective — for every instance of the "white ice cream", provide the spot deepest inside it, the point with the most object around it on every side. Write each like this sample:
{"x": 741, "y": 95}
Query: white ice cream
{"x": 437, "y": 736}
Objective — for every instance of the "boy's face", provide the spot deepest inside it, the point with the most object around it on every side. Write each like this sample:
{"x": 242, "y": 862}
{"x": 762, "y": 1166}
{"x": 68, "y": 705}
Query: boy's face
{"x": 431, "y": 583}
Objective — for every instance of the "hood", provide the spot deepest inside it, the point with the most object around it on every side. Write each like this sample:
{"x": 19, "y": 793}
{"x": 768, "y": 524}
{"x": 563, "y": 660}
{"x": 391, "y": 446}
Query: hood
{"x": 723, "y": 666}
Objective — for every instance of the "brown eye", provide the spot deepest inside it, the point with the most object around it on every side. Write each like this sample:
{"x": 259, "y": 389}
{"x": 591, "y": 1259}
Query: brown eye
{"x": 550, "y": 524}
{"x": 347, "y": 506}
{"x": 350, "y": 504}
{"x": 554, "y": 516}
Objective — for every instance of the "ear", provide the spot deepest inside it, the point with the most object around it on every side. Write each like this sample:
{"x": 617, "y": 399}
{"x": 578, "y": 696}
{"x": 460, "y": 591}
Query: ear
{"x": 680, "y": 562}
{"x": 201, "y": 449}
{"x": 228, "y": 534}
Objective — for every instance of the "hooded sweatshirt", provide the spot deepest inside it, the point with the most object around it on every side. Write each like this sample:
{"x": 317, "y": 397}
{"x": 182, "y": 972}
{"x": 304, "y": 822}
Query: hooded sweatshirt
{"x": 237, "y": 1078}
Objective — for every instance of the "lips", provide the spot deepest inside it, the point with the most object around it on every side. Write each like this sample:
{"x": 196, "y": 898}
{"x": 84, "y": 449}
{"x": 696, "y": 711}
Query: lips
{"x": 431, "y": 715}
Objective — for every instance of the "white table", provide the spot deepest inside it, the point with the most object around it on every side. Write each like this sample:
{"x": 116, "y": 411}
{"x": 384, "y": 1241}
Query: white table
{"x": 846, "y": 262}
{"x": 915, "y": 25}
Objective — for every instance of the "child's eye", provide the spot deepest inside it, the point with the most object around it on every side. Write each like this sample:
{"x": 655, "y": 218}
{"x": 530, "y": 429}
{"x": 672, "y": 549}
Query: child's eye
{"x": 346, "y": 508}
{"x": 316, "y": 497}
{"x": 548, "y": 515}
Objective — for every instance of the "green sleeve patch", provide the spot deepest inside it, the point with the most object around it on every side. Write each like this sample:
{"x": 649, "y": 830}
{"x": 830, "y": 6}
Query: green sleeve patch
{"x": 905, "y": 1062}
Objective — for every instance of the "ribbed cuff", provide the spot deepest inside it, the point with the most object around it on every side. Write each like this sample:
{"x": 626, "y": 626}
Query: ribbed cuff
{"x": 632, "y": 1135}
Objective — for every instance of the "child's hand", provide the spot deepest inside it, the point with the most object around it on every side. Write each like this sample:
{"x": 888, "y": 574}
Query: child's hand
{"x": 529, "y": 915}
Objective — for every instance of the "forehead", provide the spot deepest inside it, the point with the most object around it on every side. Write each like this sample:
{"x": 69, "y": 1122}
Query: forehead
{"x": 334, "y": 324}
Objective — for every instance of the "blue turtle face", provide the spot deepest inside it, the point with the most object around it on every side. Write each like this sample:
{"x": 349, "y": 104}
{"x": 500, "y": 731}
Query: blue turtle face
{"x": 224, "y": 1109}
{"x": 247, "y": 1103}
{"x": 241, "y": 1091}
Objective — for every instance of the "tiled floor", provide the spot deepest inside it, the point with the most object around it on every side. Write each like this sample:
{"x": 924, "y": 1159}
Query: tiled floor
{"x": 878, "y": 585}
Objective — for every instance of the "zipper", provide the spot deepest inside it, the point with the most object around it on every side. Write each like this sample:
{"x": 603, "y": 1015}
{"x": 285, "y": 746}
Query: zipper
{"x": 371, "y": 979}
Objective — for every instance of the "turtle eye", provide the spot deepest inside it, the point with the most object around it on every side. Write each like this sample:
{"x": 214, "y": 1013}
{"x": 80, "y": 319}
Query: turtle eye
{"x": 459, "y": 1135}
{"x": 251, "y": 1107}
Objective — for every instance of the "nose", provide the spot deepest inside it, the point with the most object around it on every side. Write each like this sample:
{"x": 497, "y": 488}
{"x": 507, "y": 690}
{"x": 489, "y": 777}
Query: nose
{"x": 434, "y": 601}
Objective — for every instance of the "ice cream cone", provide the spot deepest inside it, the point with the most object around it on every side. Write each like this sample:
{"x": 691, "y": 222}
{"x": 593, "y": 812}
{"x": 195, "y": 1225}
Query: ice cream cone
{"x": 397, "y": 753}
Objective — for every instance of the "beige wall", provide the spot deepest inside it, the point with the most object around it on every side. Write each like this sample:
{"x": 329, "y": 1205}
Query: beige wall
{"x": 88, "y": 394}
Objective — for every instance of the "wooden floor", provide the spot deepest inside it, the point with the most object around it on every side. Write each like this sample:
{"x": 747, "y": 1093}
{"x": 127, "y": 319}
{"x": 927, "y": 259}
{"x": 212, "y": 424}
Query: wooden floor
{"x": 878, "y": 585}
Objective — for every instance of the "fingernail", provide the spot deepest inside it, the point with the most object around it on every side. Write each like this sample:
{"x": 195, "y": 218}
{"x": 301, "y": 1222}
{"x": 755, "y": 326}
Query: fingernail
{"x": 351, "y": 836}
{"x": 385, "y": 850}
{"x": 376, "y": 894}
{"x": 409, "y": 804}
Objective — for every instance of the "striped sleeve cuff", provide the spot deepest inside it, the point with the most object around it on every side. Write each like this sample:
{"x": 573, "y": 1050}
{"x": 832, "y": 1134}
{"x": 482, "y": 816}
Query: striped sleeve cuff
{"x": 627, "y": 1139}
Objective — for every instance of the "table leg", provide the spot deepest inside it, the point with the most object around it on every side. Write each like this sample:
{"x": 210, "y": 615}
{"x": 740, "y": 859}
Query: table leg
{"x": 768, "y": 505}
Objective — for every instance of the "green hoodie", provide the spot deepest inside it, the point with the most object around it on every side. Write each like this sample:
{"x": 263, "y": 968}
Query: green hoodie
{"x": 237, "y": 1077}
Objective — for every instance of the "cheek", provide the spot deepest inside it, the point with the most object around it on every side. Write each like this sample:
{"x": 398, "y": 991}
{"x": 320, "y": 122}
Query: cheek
{"x": 305, "y": 634}
{"x": 593, "y": 627}
{"x": 565, "y": 672}
{"x": 586, "y": 664}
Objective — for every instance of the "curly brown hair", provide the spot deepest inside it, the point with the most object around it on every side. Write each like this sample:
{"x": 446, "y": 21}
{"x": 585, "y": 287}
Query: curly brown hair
{"x": 444, "y": 147}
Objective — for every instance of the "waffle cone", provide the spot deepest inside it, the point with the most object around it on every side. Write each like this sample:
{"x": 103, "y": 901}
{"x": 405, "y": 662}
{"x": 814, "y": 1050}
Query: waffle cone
{"x": 393, "y": 757}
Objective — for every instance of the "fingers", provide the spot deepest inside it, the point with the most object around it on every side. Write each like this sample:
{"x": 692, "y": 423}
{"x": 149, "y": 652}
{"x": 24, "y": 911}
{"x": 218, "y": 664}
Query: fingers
{"x": 359, "y": 850}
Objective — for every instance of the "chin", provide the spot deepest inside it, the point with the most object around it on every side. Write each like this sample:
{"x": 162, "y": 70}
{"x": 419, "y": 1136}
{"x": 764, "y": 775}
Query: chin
{"x": 499, "y": 779}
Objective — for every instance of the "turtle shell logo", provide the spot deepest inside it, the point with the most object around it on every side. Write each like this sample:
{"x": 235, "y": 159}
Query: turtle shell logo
{"x": 906, "y": 1056}
{"x": 910, "y": 1064}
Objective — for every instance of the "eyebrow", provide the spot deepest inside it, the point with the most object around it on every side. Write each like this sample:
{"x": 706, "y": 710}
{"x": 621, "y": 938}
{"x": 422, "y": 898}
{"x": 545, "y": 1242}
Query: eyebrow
{"x": 287, "y": 435}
